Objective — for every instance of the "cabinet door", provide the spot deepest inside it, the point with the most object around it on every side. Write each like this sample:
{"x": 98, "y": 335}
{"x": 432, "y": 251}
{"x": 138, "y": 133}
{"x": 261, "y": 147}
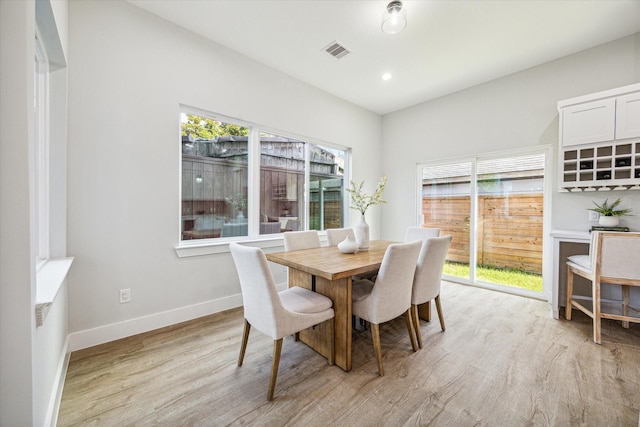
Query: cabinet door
{"x": 628, "y": 116}
{"x": 589, "y": 122}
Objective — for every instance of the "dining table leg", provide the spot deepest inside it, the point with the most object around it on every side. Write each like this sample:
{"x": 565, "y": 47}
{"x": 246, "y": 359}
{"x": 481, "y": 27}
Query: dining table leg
{"x": 424, "y": 311}
{"x": 339, "y": 291}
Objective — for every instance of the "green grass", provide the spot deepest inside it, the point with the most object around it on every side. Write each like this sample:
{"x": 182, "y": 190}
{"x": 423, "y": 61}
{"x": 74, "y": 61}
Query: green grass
{"x": 501, "y": 276}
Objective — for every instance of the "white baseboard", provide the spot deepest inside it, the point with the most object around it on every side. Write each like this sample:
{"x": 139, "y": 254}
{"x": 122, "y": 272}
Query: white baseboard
{"x": 127, "y": 328}
{"x": 54, "y": 404}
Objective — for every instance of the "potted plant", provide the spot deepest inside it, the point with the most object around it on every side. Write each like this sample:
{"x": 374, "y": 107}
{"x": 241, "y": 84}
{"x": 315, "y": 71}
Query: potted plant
{"x": 361, "y": 202}
{"x": 609, "y": 213}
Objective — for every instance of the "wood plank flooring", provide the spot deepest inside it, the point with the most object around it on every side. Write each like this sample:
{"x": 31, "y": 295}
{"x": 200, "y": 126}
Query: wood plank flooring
{"x": 503, "y": 361}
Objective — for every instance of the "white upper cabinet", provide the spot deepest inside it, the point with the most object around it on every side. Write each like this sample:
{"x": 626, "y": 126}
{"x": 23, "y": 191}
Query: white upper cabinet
{"x": 600, "y": 117}
{"x": 628, "y": 116}
{"x": 589, "y": 122}
{"x": 599, "y": 141}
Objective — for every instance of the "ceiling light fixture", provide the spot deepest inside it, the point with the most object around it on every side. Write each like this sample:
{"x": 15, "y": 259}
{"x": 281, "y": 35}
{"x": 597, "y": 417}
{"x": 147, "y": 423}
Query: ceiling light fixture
{"x": 394, "y": 18}
{"x": 386, "y": 76}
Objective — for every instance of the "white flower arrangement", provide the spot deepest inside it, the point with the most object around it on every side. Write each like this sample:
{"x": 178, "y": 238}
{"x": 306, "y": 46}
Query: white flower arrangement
{"x": 361, "y": 200}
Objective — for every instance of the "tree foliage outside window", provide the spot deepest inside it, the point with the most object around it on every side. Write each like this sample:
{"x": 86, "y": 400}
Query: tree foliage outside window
{"x": 205, "y": 128}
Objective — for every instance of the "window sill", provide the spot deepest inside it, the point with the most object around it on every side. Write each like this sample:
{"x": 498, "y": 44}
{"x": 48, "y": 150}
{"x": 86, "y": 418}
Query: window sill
{"x": 209, "y": 247}
{"x": 49, "y": 280}
{"x": 190, "y": 248}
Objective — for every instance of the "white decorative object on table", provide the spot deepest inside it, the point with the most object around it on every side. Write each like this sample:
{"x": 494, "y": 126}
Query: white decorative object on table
{"x": 361, "y": 230}
{"x": 348, "y": 246}
{"x": 361, "y": 201}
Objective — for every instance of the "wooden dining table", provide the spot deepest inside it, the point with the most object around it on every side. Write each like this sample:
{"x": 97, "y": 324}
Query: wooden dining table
{"x": 329, "y": 272}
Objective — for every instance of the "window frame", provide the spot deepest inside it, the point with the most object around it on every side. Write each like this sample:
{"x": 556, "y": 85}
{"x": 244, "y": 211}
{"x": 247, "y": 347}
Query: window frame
{"x": 41, "y": 152}
{"x": 197, "y": 247}
{"x": 547, "y": 190}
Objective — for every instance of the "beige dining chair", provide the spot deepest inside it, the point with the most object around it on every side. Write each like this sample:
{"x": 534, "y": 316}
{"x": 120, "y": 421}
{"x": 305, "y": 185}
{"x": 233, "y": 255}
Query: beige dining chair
{"x": 390, "y": 296}
{"x": 427, "y": 279}
{"x": 337, "y": 235}
{"x": 420, "y": 233}
{"x": 612, "y": 260}
{"x": 296, "y": 240}
{"x": 274, "y": 313}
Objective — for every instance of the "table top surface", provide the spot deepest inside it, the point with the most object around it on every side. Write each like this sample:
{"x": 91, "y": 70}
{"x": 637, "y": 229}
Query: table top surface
{"x": 330, "y": 263}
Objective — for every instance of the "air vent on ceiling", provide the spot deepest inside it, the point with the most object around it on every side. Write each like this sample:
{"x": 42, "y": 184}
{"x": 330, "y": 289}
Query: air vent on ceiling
{"x": 336, "y": 50}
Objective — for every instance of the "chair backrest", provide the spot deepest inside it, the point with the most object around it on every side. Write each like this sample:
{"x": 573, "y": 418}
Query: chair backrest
{"x": 391, "y": 294}
{"x": 426, "y": 282}
{"x": 616, "y": 255}
{"x": 337, "y": 235}
{"x": 420, "y": 233}
{"x": 296, "y": 240}
{"x": 259, "y": 294}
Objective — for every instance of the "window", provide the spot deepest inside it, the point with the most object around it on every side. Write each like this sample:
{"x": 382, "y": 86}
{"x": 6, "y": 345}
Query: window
{"x": 222, "y": 199}
{"x": 41, "y": 152}
{"x": 493, "y": 206}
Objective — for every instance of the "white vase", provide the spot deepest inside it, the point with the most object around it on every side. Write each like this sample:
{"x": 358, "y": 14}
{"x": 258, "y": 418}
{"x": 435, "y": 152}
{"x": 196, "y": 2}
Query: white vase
{"x": 361, "y": 230}
{"x": 240, "y": 216}
{"x": 608, "y": 221}
{"x": 348, "y": 246}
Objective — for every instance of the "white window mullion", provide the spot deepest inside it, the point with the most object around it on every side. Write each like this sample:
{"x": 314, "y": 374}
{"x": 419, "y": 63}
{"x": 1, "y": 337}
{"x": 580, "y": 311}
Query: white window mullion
{"x": 253, "y": 178}
{"x": 473, "y": 243}
{"x": 307, "y": 186}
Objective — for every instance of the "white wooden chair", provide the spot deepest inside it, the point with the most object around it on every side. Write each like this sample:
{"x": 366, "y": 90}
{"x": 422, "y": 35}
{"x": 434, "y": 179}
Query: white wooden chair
{"x": 390, "y": 296}
{"x": 276, "y": 314}
{"x": 613, "y": 259}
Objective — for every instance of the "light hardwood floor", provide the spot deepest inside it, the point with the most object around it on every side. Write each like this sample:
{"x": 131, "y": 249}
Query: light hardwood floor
{"x": 503, "y": 361}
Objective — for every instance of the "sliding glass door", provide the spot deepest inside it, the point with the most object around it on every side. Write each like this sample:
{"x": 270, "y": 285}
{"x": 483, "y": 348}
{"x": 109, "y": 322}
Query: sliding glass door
{"x": 493, "y": 206}
{"x": 445, "y": 204}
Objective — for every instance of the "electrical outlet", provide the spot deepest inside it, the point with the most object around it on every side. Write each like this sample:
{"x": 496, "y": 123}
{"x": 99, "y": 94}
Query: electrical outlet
{"x": 125, "y": 296}
{"x": 593, "y": 216}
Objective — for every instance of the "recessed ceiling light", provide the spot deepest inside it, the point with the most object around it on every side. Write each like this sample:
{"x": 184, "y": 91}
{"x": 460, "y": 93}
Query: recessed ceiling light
{"x": 386, "y": 76}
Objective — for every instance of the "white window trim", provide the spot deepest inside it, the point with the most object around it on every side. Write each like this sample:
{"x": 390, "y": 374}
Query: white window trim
{"x": 41, "y": 152}
{"x": 200, "y": 247}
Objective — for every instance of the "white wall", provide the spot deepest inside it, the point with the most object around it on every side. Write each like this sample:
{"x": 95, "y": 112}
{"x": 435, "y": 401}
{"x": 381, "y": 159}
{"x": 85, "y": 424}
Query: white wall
{"x": 516, "y": 111}
{"x": 32, "y": 359}
{"x": 129, "y": 71}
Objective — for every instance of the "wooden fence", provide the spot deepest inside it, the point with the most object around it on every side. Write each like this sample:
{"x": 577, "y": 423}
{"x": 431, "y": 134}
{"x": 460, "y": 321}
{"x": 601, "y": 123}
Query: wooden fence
{"x": 509, "y": 228}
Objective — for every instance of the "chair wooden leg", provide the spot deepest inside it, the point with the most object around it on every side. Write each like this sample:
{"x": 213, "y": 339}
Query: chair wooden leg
{"x": 567, "y": 310}
{"x": 375, "y": 335}
{"x": 440, "y": 315}
{"x": 416, "y": 324}
{"x": 245, "y": 338}
{"x": 332, "y": 341}
{"x": 410, "y": 329}
{"x": 625, "y": 304}
{"x": 596, "y": 310}
{"x": 277, "y": 349}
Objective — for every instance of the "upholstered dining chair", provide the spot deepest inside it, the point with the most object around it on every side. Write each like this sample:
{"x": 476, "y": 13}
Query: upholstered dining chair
{"x": 390, "y": 296}
{"x": 276, "y": 314}
{"x": 296, "y": 240}
{"x": 337, "y": 235}
{"x": 420, "y": 233}
{"x": 613, "y": 260}
{"x": 427, "y": 279}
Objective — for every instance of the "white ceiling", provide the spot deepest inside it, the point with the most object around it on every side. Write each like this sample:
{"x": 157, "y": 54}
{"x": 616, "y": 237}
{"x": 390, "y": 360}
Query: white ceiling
{"x": 447, "y": 46}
